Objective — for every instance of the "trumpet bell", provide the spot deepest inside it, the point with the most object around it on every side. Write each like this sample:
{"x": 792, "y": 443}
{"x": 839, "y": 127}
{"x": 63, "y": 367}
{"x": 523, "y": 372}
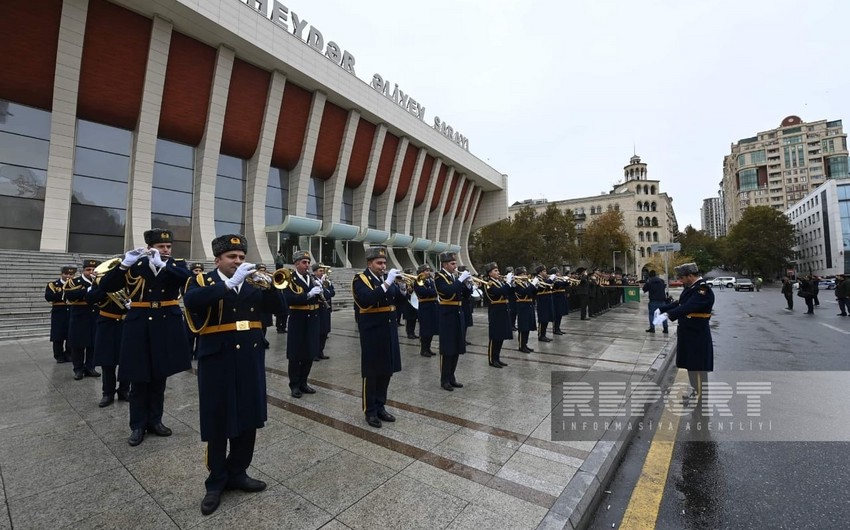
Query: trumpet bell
{"x": 260, "y": 280}
{"x": 281, "y": 278}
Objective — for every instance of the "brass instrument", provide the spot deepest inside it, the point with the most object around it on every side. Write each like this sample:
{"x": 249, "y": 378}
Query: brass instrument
{"x": 410, "y": 279}
{"x": 318, "y": 283}
{"x": 570, "y": 280}
{"x": 326, "y": 278}
{"x": 479, "y": 281}
{"x": 120, "y": 297}
{"x": 282, "y": 278}
{"x": 260, "y": 280}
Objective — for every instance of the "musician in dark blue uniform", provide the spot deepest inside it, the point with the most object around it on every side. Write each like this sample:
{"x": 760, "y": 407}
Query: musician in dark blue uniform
{"x": 426, "y": 292}
{"x": 154, "y": 343}
{"x": 196, "y": 268}
{"x": 497, "y": 292}
{"x": 525, "y": 293}
{"x": 511, "y": 300}
{"x": 409, "y": 312}
{"x": 60, "y": 314}
{"x": 559, "y": 301}
{"x": 303, "y": 337}
{"x": 694, "y": 351}
{"x": 545, "y": 306}
{"x": 325, "y": 309}
{"x": 226, "y": 310}
{"x": 466, "y": 304}
{"x": 582, "y": 292}
{"x": 380, "y": 357}
{"x": 83, "y": 322}
{"x": 452, "y": 322}
{"x": 107, "y": 340}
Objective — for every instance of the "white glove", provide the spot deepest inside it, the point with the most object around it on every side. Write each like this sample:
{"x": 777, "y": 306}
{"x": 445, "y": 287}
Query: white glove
{"x": 655, "y": 315}
{"x": 156, "y": 259}
{"x": 128, "y": 304}
{"x": 132, "y": 256}
{"x": 244, "y": 270}
{"x": 510, "y": 278}
{"x": 535, "y": 281}
{"x": 660, "y": 319}
{"x": 391, "y": 276}
{"x": 464, "y": 276}
{"x": 551, "y": 277}
{"x": 315, "y": 291}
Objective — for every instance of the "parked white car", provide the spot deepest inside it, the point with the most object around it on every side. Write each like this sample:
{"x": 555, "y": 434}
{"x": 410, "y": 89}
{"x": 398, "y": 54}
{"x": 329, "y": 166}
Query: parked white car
{"x": 726, "y": 281}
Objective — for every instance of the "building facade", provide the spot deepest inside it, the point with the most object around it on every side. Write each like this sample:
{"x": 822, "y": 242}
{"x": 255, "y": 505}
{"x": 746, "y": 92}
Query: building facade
{"x": 713, "y": 217}
{"x": 821, "y": 220}
{"x": 213, "y": 117}
{"x": 647, "y": 213}
{"x": 779, "y": 167}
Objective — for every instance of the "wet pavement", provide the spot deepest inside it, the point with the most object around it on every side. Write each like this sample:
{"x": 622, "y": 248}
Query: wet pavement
{"x": 480, "y": 457}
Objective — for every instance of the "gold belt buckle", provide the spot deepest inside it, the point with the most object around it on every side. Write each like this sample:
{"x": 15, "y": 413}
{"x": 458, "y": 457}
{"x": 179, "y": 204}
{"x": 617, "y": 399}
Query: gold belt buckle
{"x": 154, "y": 305}
{"x": 242, "y": 325}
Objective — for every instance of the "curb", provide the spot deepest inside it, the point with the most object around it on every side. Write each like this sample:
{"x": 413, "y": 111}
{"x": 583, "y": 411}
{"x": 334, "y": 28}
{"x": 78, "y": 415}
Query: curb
{"x": 576, "y": 503}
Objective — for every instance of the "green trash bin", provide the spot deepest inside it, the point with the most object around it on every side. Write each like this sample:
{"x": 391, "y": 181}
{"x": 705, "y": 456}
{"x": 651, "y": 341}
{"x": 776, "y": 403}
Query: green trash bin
{"x": 632, "y": 293}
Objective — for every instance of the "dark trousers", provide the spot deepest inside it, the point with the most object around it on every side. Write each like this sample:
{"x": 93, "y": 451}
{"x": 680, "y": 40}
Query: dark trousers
{"x": 557, "y": 324}
{"x": 323, "y": 339}
{"x": 810, "y": 303}
{"x": 790, "y": 299}
{"x": 844, "y": 305}
{"x": 652, "y": 307}
{"x": 425, "y": 341}
{"x": 147, "y": 401}
{"x": 299, "y": 371}
{"x": 375, "y": 394}
{"x": 494, "y": 350}
{"x": 448, "y": 365}
{"x": 582, "y": 303}
{"x": 82, "y": 358}
{"x": 410, "y": 324}
{"x": 231, "y": 467}
{"x": 541, "y": 329}
{"x": 817, "y": 302}
{"x": 523, "y": 338}
{"x": 280, "y": 322}
{"x": 59, "y": 352}
{"x": 109, "y": 381}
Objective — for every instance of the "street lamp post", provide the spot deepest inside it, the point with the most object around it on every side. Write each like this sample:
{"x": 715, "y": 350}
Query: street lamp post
{"x": 614, "y": 260}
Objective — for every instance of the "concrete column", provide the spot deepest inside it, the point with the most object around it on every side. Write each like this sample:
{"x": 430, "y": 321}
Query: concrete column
{"x": 386, "y": 202}
{"x": 448, "y": 219}
{"x": 363, "y": 194}
{"x": 457, "y": 228}
{"x": 335, "y": 186}
{"x": 467, "y": 228}
{"x": 299, "y": 178}
{"x": 405, "y": 207}
{"x": 435, "y": 221}
{"x": 144, "y": 144}
{"x": 257, "y": 183}
{"x": 63, "y": 127}
{"x": 420, "y": 216}
{"x": 206, "y": 158}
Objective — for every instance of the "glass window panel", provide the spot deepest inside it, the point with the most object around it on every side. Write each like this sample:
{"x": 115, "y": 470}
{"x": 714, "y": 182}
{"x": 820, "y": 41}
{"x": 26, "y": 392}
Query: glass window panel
{"x": 230, "y": 166}
{"x": 314, "y": 207}
{"x": 274, "y": 216}
{"x": 24, "y": 120}
{"x": 97, "y": 220}
{"x": 181, "y": 226}
{"x": 175, "y": 154}
{"x": 346, "y": 214}
{"x": 277, "y": 198}
{"x": 99, "y": 192}
{"x": 21, "y": 213}
{"x": 96, "y": 244}
{"x": 104, "y": 137}
{"x": 107, "y": 166}
{"x": 230, "y": 211}
{"x": 173, "y": 178}
{"x": 171, "y": 202}
{"x": 23, "y": 150}
{"x": 278, "y": 178}
{"x": 222, "y": 228}
{"x": 843, "y": 192}
{"x": 20, "y": 239}
{"x": 22, "y": 182}
{"x": 228, "y": 188}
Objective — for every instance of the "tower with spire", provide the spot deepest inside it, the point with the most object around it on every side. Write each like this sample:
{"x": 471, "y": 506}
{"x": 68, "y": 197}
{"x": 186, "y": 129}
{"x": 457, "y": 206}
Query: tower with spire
{"x": 636, "y": 170}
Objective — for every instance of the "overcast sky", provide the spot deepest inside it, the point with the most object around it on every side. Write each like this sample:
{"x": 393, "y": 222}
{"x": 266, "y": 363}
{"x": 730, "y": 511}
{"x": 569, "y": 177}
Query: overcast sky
{"x": 556, "y": 93}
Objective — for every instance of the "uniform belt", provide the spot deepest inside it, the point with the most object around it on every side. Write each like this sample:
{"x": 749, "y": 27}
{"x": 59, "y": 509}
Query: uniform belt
{"x": 498, "y": 301}
{"x": 385, "y": 309}
{"x": 699, "y": 315}
{"x": 559, "y": 291}
{"x": 308, "y": 307}
{"x": 56, "y": 304}
{"x": 524, "y": 301}
{"x": 539, "y": 293}
{"x": 111, "y": 315}
{"x": 77, "y": 303}
{"x": 155, "y": 305}
{"x": 449, "y": 302}
{"x": 239, "y": 325}
{"x": 427, "y": 300}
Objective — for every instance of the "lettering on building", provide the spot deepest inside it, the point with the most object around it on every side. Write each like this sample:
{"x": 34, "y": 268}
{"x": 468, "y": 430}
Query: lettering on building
{"x": 446, "y": 130}
{"x": 398, "y": 97}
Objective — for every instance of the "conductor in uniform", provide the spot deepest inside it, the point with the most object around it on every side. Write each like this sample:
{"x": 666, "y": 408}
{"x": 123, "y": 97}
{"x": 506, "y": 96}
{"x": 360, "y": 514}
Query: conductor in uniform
{"x": 376, "y": 297}
{"x": 499, "y": 317}
{"x": 452, "y": 321}
{"x": 154, "y": 343}
{"x": 303, "y": 338}
{"x": 231, "y": 365}
{"x": 694, "y": 351}
{"x": 60, "y": 314}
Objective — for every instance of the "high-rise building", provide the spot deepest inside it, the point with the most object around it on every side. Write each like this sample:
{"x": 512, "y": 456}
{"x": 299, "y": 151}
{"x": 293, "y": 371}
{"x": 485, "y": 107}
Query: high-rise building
{"x": 712, "y": 216}
{"x": 822, "y": 230}
{"x": 647, "y": 213}
{"x": 779, "y": 167}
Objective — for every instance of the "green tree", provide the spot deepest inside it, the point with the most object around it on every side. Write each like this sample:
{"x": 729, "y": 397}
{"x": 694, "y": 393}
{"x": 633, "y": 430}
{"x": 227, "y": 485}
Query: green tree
{"x": 701, "y": 246}
{"x": 602, "y": 237}
{"x": 557, "y": 237}
{"x": 761, "y": 242}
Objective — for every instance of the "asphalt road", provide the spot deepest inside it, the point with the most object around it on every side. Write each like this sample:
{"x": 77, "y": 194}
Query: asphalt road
{"x": 752, "y": 484}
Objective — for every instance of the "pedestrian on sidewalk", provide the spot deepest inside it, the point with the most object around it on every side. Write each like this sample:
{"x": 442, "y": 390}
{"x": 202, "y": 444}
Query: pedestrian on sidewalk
{"x": 842, "y": 294}
{"x": 815, "y": 289}
{"x": 788, "y": 292}
{"x": 694, "y": 350}
{"x": 657, "y": 290}
{"x": 806, "y": 293}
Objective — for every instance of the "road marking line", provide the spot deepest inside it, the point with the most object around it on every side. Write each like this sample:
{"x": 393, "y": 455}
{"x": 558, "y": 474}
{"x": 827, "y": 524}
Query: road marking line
{"x": 835, "y": 328}
{"x": 642, "y": 511}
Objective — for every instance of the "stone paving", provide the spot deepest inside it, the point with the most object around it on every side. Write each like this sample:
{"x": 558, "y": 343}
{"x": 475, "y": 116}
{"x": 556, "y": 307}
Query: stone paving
{"x": 479, "y": 457}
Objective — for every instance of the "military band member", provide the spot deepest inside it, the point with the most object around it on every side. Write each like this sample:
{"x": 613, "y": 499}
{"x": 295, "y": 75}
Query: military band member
{"x": 60, "y": 314}
{"x": 231, "y": 365}
{"x": 525, "y": 293}
{"x": 583, "y": 291}
{"x": 107, "y": 341}
{"x": 511, "y": 301}
{"x": 499, "y": 321}
{"x": 196, "y": 268}
{"x": 559, "y": 300}
{"x": 466, "y": 303}
{"x": 83, "y": 322}
{"x": 426, "y": 292}
{"x": 380, "y": 357}
{"x": 303, "y": 337}
{"x": 266, "y": 318}
{"x": 325, "y": 310}
{"x": 409, "y": 312}
{"x": 545, "y": 306}
{"x": 154, "y": 343}
{"x": 452, "y": 322}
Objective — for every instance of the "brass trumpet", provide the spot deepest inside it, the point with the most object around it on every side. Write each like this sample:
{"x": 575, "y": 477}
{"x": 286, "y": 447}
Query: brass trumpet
{"x": 120, "y": 297}
{"x": 279, "y": 279}
{"x": 410, "y": 279}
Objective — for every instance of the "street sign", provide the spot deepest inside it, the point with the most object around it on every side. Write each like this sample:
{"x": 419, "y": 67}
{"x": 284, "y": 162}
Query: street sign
{"x": 666, "y": 247}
